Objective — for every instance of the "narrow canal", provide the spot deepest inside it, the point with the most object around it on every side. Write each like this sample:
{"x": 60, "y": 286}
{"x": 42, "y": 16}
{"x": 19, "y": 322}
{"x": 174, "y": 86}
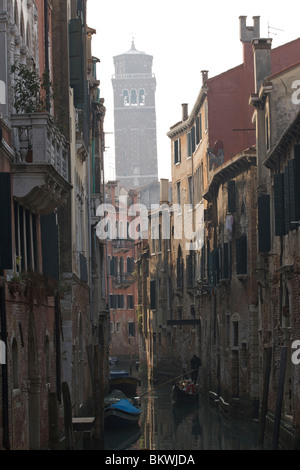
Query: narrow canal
{"x": 167, "y": 426}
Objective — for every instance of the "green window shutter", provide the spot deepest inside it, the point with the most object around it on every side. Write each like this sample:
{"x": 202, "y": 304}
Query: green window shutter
{"x": 279, "y": 205}
{"x": 287, "y": 200}
{"x": 241, "y": 255}
{"x": 264, "y": 229}
{"x": 76, "y": 58}
{"x": 193, "y": 137}
{"x": 50, "y": 253}
{"x": 5, "y": 222}
{"x": 297, "y": 180}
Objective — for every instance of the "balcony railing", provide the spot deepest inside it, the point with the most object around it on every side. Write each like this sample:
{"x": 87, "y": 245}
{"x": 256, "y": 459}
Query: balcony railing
{"x": 122, "y": 246}
{"x": 123, "y": 280}
{"x": 41, "y": 169}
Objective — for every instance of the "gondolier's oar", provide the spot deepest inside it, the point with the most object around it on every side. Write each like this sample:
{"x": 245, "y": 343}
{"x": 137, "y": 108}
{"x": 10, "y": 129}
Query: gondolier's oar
{"x": 166, "y": 383}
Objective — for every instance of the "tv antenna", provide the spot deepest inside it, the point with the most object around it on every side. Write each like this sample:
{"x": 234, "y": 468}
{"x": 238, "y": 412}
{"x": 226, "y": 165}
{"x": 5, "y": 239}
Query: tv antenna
{"x": 271, "y": 32}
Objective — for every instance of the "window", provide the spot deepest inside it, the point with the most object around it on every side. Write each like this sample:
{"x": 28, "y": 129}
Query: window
{"x": 133, "y": 97}
{"x": 264, "y": 227}
{"x": 198, "y": 129}
{"x": 159, "y": 239}
{"x": 131, "y": 329}
{"x": 130, "y": 301}
{"x": 121, "y": 301}
{"x": 190, "y": 271}
{"x": 179, "y": 278}
{"x": 206, "y": 115}
{"x": 189, "y": 145}
{"x": 190, "y": 189}
{"x": 142, "y": 97}
{"x": 235, "y": 333}
{"x": 178, "y": 193}
{"x": 241, "y": 255}
{"x": 267, "y": 131}
{"x": 153, "y": 295}
{"x": 125, "y": 98}
{"x": 177, "y": 151}
{"x": 26, "y": 240}
{"x": 130, "y": 265}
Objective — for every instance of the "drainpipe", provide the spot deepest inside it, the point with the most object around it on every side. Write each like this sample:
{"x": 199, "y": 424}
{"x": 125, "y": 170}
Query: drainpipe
{"x": 5, "y": 418}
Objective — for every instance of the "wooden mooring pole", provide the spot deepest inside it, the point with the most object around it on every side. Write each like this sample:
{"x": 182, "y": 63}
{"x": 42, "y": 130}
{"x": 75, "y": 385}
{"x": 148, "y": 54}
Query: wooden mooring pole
{"x": 264, "y": 406}
{"x": 276, "y": 428}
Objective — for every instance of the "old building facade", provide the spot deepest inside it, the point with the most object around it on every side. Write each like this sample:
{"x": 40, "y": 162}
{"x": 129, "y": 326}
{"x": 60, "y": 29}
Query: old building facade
{"x": 276, "y": 114}
{"x": 234, "y": 241}
{"x": 53, "y": 331}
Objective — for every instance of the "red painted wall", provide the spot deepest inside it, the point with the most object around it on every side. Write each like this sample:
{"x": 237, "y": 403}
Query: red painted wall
{"x": 228, "y": 99}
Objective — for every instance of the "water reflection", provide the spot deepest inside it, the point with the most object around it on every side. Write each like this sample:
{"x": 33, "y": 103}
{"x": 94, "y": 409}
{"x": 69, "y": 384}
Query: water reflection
{"x": 168, "y": 426}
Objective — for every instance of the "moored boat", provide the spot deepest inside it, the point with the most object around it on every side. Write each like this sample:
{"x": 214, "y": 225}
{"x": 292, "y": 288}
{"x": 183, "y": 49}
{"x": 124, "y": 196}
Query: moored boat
{"x": 120, "y": 380}
{"x": 121, "y": 414}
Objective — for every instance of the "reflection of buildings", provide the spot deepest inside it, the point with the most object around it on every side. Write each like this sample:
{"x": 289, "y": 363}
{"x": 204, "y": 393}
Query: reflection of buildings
{"x": 134, "y": 87}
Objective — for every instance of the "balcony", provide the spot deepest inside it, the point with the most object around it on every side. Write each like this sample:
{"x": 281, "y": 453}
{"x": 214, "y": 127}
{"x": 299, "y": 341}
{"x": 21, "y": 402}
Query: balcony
{"x": 122, "y": 246}
{"x": 40, "y": 172}
{"x": 123, "y": 281}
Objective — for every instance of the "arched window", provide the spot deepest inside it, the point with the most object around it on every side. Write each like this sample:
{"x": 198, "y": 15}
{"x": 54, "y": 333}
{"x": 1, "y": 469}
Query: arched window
{"x": 22, "y": 29}
{"x": 142, "y": 97}
{"x": 125, "y": 98}
{"x": 133, "y": 97}
{"x": 16, "y": 15}
{"x": 15, "y": 364}
{"x": 121, "y": 266}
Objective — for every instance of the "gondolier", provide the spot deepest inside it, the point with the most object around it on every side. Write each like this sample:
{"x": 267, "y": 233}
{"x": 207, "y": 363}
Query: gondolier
{"x": 195, "y": 364}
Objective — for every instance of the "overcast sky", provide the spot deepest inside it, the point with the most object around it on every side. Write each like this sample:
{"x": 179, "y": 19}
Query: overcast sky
{"x": 183, "y": 38}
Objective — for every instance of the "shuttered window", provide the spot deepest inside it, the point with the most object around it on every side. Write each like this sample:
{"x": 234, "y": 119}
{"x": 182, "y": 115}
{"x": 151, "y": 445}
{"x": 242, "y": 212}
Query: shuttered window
{"x": 50, "y": 253}
{"x": 189, "y": 144}
{"x": 193, "y": 138}
{"x": 5, "y": 222}
{"x": 264, "y": 229}
{"x": 279, "y": 205}
{"x": 153, "y": 295}
{"x": 177, "y": 151}
{"x": 287, "y": 200}
{"x": 76, "y": 60}
{"x": 241, "y": 255}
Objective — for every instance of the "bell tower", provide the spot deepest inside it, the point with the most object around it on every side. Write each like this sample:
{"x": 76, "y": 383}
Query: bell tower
{"x": 134, "y": 87}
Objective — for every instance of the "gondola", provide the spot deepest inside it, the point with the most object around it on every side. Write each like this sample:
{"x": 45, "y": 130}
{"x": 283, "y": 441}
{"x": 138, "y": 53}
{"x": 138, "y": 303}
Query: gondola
{"x": 120, "y": 380}
{"x": 121, "y": 414}
{"x": 185, "y": 391}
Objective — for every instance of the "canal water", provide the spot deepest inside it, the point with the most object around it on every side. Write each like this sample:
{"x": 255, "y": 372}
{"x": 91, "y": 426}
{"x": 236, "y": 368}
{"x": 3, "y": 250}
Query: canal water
{"x": 167, "y": 426}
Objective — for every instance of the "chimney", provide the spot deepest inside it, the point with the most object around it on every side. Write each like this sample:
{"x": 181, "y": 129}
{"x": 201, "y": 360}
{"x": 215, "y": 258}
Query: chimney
{"x": 262, "y": 60}
{"x": 184, "y": 111}
{"x": 164, "y": 191}
{"x": 204, "y": 76}
{"x": 248, "y": 33}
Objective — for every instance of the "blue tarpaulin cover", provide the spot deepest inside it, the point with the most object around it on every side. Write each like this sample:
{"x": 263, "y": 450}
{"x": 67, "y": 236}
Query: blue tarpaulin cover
{"x": 125, "y": 405}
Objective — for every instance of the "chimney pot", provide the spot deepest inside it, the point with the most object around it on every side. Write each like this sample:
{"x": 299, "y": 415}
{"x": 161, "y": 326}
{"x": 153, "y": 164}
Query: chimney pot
{"x": 204, "y": 76}
{"x": 184, "y": 111}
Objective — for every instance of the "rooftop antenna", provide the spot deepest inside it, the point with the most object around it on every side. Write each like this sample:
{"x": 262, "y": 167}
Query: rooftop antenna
{"x": 271, "y": 32}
